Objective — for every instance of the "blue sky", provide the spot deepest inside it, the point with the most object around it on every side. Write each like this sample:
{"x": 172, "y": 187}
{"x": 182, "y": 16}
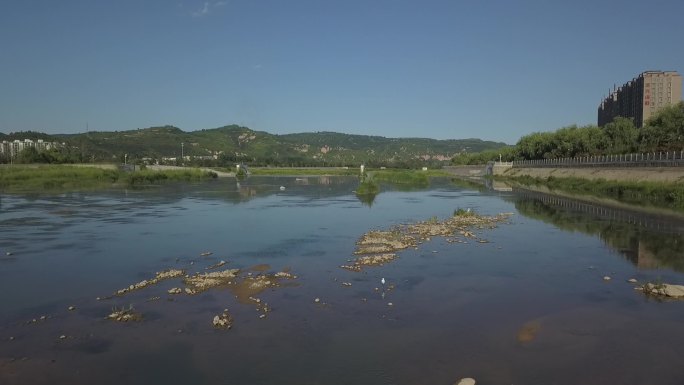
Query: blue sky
{"x": 494, "y": 70}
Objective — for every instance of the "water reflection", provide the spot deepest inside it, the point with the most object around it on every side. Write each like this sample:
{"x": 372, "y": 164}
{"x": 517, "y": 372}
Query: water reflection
{"x": 648, "y": 240}
{"x": 367, "y": 199}
{"x": 458, "y": 308}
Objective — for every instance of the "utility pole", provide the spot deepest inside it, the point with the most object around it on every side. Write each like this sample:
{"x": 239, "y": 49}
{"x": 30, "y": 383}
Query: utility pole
{"x": 182, "y": 152}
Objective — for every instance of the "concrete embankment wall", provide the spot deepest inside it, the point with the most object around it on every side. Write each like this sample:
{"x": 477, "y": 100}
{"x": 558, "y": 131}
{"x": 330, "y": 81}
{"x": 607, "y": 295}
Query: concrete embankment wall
{"x": 466, "y": 171}
{"x": 627, "y": 174}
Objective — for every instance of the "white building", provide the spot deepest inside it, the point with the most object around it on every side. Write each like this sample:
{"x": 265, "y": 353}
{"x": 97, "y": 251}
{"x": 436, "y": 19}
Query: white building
{"x": 13, "y": 148}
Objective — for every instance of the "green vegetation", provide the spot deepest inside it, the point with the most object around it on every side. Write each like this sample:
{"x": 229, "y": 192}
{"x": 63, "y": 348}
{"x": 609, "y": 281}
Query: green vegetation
{"x": 60, "y": 177}
{"x": 464, "y": 213}
{"x": 241, "y": 172}
{"x": 367, "y": 191}
{"x": 663, "y": 132}
{"x": 55, "y": 178}
{"x": 155, "y": 177}
{"x": 661, "y": 194}
{"x": 368, "y": 187}
{"x": 226, "y": 146}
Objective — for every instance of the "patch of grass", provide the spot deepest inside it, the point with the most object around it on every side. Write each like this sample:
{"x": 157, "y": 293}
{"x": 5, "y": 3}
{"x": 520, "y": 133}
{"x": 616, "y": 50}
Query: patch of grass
{"x": 663, "y": 194}
{"x": 368, "y": 187}
{"x": 459, "y": 212}
{"x": 155, "y": 177}
{"x": 60, "y": 178}
{"x": 55, "y": 177}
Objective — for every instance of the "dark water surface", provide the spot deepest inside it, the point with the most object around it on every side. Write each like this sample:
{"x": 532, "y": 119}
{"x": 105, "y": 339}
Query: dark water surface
{"x": 528, "y": 307}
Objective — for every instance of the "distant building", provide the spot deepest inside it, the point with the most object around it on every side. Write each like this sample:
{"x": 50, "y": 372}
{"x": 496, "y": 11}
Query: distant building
{"x": 13, "y": 148}
{"x": 641, "y": 97}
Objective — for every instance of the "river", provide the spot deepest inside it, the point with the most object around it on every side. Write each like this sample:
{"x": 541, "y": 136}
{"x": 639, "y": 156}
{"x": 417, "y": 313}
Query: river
{"x": 526, "y": 304}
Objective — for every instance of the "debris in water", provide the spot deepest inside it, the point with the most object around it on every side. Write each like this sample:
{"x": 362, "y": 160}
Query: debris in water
{"x": 125, "y": 315}
{"x": 379, "y": 247}
{"x": 201, "y": 282}
{"x": 221, "y": 263}
{"x": 223, "y": 321}
{"x": 160, "y": 276}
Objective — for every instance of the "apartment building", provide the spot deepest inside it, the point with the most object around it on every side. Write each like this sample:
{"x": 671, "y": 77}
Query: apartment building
{"x": 13, "y": 148}
{"x": 641, "y": 97}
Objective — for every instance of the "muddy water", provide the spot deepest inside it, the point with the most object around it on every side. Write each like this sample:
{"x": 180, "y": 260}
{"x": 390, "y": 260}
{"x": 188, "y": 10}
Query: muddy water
{"x": 530, "y": 306}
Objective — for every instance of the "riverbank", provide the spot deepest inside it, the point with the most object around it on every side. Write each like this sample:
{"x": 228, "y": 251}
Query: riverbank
{"x": 37, "y": 178}
{"x": 658, "y": 187}
{"x": 220, "y": 174}
{"x": 625, "y": 174}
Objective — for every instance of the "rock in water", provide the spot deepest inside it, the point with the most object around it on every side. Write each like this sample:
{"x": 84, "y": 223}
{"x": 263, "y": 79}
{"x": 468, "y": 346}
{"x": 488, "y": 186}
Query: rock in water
{"x": 465, "y": 381}
{"x": 175, "y": 290}
{"x": 676, "y": 291}
{"x": 664, "y": 289}
{"x": 223, "y": 321}
{"x": 528, "y": 332}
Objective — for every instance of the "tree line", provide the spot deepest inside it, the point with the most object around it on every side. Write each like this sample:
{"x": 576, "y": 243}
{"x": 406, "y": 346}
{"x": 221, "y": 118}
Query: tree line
{"x": 53, "y": 155}
{"x": 662, "y": 132}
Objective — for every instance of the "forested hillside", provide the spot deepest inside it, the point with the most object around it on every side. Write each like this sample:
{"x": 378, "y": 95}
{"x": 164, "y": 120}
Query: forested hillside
{"x": 229, "y": 144}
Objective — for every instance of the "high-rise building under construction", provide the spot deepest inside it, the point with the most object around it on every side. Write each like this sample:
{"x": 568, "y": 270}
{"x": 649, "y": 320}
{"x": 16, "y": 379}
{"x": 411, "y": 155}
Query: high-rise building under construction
{"x": 641, "y": 97}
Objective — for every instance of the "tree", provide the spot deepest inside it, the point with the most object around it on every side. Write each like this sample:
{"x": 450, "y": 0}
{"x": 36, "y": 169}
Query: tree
{"x": 665, "y": 130}
{"x": 30, "y": 155}
{"x": 538, "y": 145}
{"x": 621, "y": 135}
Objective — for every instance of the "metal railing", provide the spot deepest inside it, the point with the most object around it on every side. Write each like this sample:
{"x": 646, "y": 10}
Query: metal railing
{"x": 647, "y": 159}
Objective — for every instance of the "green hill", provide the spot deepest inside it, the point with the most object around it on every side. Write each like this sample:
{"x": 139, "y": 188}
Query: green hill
{"x": 233, "y": 143}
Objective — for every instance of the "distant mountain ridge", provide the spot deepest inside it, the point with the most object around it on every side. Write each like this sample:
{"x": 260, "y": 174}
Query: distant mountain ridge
{"x": 237, "y": 143}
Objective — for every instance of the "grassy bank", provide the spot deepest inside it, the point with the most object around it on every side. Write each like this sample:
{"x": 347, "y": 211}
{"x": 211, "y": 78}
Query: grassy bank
{"x": 54, "y": 177}
{"x": 154, "y": 177}
{"x": 405, "y": 177}
{"x": 662, "y": 194}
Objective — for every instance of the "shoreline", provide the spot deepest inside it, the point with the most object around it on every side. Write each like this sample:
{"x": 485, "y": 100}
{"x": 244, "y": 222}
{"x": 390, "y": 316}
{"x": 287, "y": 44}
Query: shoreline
{"x": 617, "y": 174}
